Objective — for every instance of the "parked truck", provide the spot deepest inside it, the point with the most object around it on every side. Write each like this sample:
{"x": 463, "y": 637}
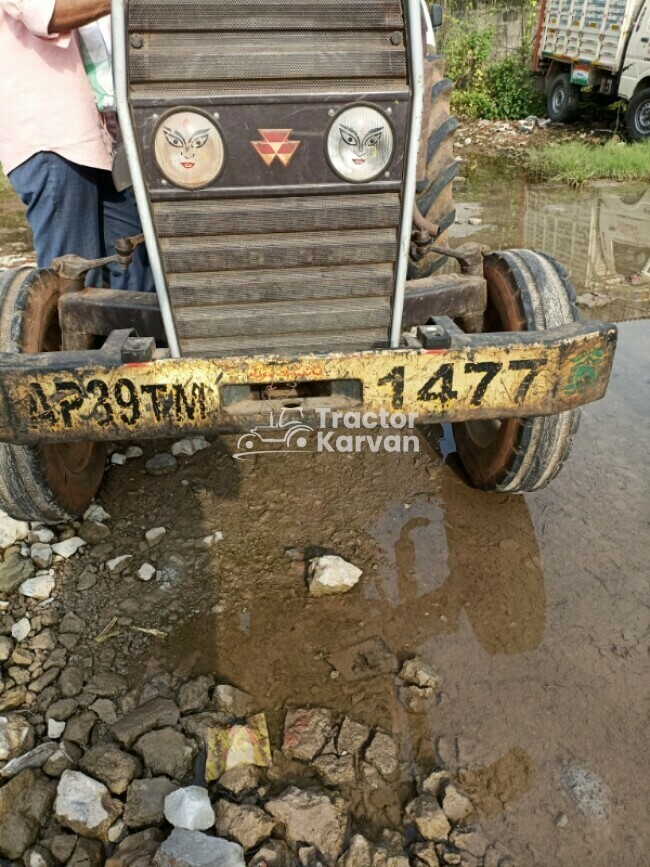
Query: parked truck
{"x": 292, "y": 164}
{"x": 597, "y": 48}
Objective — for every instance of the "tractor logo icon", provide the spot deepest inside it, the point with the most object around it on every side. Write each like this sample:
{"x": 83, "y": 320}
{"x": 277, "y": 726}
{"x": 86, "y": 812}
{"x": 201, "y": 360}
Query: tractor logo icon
{"x": 288, "y": 434}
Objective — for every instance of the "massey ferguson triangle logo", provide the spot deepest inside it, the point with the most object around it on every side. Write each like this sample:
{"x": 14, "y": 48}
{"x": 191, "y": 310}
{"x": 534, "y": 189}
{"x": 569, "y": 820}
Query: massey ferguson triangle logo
{"x": 276, "y": 144}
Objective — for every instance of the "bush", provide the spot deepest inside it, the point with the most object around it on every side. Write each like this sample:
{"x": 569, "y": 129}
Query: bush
{"x": 498, "y": 90}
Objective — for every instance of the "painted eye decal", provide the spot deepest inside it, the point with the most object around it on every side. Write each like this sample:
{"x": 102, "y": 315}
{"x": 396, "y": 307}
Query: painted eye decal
{"x": 189, "y": 149}
{"x": 349, "y": 136}
{"x": 360, "y": 143}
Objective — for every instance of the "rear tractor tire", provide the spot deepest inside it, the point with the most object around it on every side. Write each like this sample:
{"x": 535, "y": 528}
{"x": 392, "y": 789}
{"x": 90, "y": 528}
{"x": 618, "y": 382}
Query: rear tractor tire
{"x": 562, "y": 98}
{"x": 434, "y": 198}
{"x": 526, "y": 292}
{"x": 49, "y": 482}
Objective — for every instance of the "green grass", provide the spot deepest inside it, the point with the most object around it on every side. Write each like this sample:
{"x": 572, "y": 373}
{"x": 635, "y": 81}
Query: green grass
{"x": 578, "y": 163}
{"x": 5, "y": 186}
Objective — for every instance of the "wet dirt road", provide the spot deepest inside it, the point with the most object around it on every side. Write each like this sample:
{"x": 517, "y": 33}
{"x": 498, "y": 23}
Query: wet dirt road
{"x": 534, "y": 609}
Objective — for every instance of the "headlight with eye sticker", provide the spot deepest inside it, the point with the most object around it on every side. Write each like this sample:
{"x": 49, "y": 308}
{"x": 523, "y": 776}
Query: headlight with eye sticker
{"x": 360, "y": 143}
{"x": 189, "y": 148}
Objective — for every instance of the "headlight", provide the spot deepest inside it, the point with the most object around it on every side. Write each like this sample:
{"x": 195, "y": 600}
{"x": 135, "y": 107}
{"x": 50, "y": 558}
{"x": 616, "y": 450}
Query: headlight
{"x": 189, "y": 149}
{"x": 360, "y": 143}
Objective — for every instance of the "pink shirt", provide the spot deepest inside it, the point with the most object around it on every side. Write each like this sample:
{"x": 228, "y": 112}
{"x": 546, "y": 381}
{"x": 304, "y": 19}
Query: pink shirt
{"x": 46, "y": 102}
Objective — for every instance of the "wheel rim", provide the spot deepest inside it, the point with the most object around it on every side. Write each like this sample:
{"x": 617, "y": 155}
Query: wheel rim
{"x": 642, "y": 119}
{"x": 559, "y": 98}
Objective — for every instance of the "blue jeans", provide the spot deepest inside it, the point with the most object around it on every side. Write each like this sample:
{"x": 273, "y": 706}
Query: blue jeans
{"x": 76, "y": 209}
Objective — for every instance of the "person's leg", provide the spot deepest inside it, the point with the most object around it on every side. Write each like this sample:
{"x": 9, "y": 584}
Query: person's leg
{"x": 63, "y": 208}
{"x": 121, "y": 220}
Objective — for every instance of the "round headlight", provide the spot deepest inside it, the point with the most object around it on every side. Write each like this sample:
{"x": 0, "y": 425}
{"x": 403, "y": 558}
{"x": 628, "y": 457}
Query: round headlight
{"x": 360, "y": 143}
{"x": 189, "y": 149}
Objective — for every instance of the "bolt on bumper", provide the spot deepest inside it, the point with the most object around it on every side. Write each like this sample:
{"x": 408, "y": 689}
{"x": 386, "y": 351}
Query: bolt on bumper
{"x": 102, "y": 395}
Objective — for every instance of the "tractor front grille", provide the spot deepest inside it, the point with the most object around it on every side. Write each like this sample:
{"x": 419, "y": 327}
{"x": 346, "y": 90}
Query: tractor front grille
{"x": 273, "y": 259}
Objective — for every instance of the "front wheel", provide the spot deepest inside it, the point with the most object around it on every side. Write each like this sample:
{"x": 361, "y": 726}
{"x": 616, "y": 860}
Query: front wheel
{"x": 50, "y": 482}
{"x": 526, "y": 292}
{"x": 637, "y": 116}
{"x": 562, "y": 100}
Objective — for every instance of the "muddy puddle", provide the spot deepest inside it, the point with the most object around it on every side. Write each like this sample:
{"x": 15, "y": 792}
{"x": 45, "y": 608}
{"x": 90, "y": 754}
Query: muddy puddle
{"x": 600, "y": 233}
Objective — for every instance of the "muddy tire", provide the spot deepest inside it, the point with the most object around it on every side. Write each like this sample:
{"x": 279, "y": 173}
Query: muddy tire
{"x": 47, "y": 483}
{"x": 562, "y": 98}
{"x": 526, "y": 292}
{"x": 637, "y": 116}
{"x": 434, "y": 197}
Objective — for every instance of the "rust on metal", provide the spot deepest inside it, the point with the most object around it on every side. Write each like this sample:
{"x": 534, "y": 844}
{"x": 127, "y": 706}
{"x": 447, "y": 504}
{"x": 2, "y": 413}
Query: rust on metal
{"x": 96, "y": 396}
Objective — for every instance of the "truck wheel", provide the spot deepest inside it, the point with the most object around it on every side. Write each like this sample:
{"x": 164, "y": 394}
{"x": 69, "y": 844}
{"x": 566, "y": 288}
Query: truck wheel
{"x": 637, "y": 116}
{"x": 434, "y": 199}
{"x": 50, "y": 482}
{"x": 526, "y": 292}
{"x": 562, "y": 99}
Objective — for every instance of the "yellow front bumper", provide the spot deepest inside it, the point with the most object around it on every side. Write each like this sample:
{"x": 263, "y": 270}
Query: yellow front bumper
{"x": 96, "y": 396}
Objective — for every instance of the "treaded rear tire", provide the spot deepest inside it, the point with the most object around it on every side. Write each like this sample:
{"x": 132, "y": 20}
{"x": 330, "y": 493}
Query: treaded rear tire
{"x": 637, "y": 116}
{"x": 527, "y": 291}
{"x": 434, "y": 199}
{"x": 562, "y": 98}
{"x": 48, "y": 483}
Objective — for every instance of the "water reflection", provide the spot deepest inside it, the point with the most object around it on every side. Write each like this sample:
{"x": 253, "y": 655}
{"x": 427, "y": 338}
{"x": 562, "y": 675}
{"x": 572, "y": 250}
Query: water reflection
{"x": 600, "y": 233}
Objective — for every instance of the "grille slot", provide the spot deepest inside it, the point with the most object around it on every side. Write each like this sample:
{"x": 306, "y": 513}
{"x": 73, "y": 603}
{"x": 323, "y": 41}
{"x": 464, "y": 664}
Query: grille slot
{"x": 229, "y": 15}
{"x": 259, "y": 216}
{"x": 195, "y": 56}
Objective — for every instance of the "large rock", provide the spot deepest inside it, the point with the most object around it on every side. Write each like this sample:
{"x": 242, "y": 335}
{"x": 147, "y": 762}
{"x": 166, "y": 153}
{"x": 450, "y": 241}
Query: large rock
{"x": 426, "y": 816}
{"x": 330, "y": 575}
{"x": 419, "y": 672}
{"x": 229, "y": 700}
{"x": 11, "y": 530}
{"x": 39, "y": 587}
{"x": 16, "y": 737}
{"x": 246, "y": 824}
{"x": 145, "y": 802}
{"x": 312, "y": 818}
{"x": 306, "y": 731}
{"x": 455, "y": 805}
{"x": 336, "y": 770}
{"x": 15, "y": 569}
{"x": 154, "y": 714}
{"x": 189, "y": 808}
{"x": 85, "y": 805}
{"x": 25, "y": 804}
{"x": 274, "y": 853}
{"x": 384, "y": 755}
{"x": 111, "y": 766}
{"x": 87, "y": 853}
{"x": 195, "y": 694}
{"x": 167, "y": 752}
{"x": 193, "y": 849}
{"x": 352, "y": 736}
{"x": 35, "y": 758}
{"x": 361, "y": 853}
{"x": 137, "y": 850}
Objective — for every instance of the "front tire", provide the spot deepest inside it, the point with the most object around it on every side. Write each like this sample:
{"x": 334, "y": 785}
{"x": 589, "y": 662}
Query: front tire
{"x": 562, "y": 98}
{"x": 637, "y": 116}
{"x": 50, "y": 482}
{"x": 526, "y": 292}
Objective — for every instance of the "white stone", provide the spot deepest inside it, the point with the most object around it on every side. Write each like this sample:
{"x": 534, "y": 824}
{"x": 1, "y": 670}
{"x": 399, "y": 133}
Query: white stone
{"x": 189, "y": 447}
{"x": 39, "y": 587}
{"x": 21, "y": 629}
{"x": 41, "y": 554}
{"x": 68, "y": 547}
{"x": 85, "y": 805}
{"x": 193, "y": 849}
{"x": 11, "y": 531}
{"x": 96, "y": 514}
{"x": 43, "y": 534}
{"x": 154, "y": 535}
{"x": 116, "y": 562}
{"x": 212, "y": 539}
{"x": 133, "y": 452}
{"x": 189, "y": 808}
{"x": 55, "y": 728}
{"x": 331, "y": 574}
{"x": 116, "y": 831}
{"x": 146, "y": 572}
{"x": 118, "y": 459}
